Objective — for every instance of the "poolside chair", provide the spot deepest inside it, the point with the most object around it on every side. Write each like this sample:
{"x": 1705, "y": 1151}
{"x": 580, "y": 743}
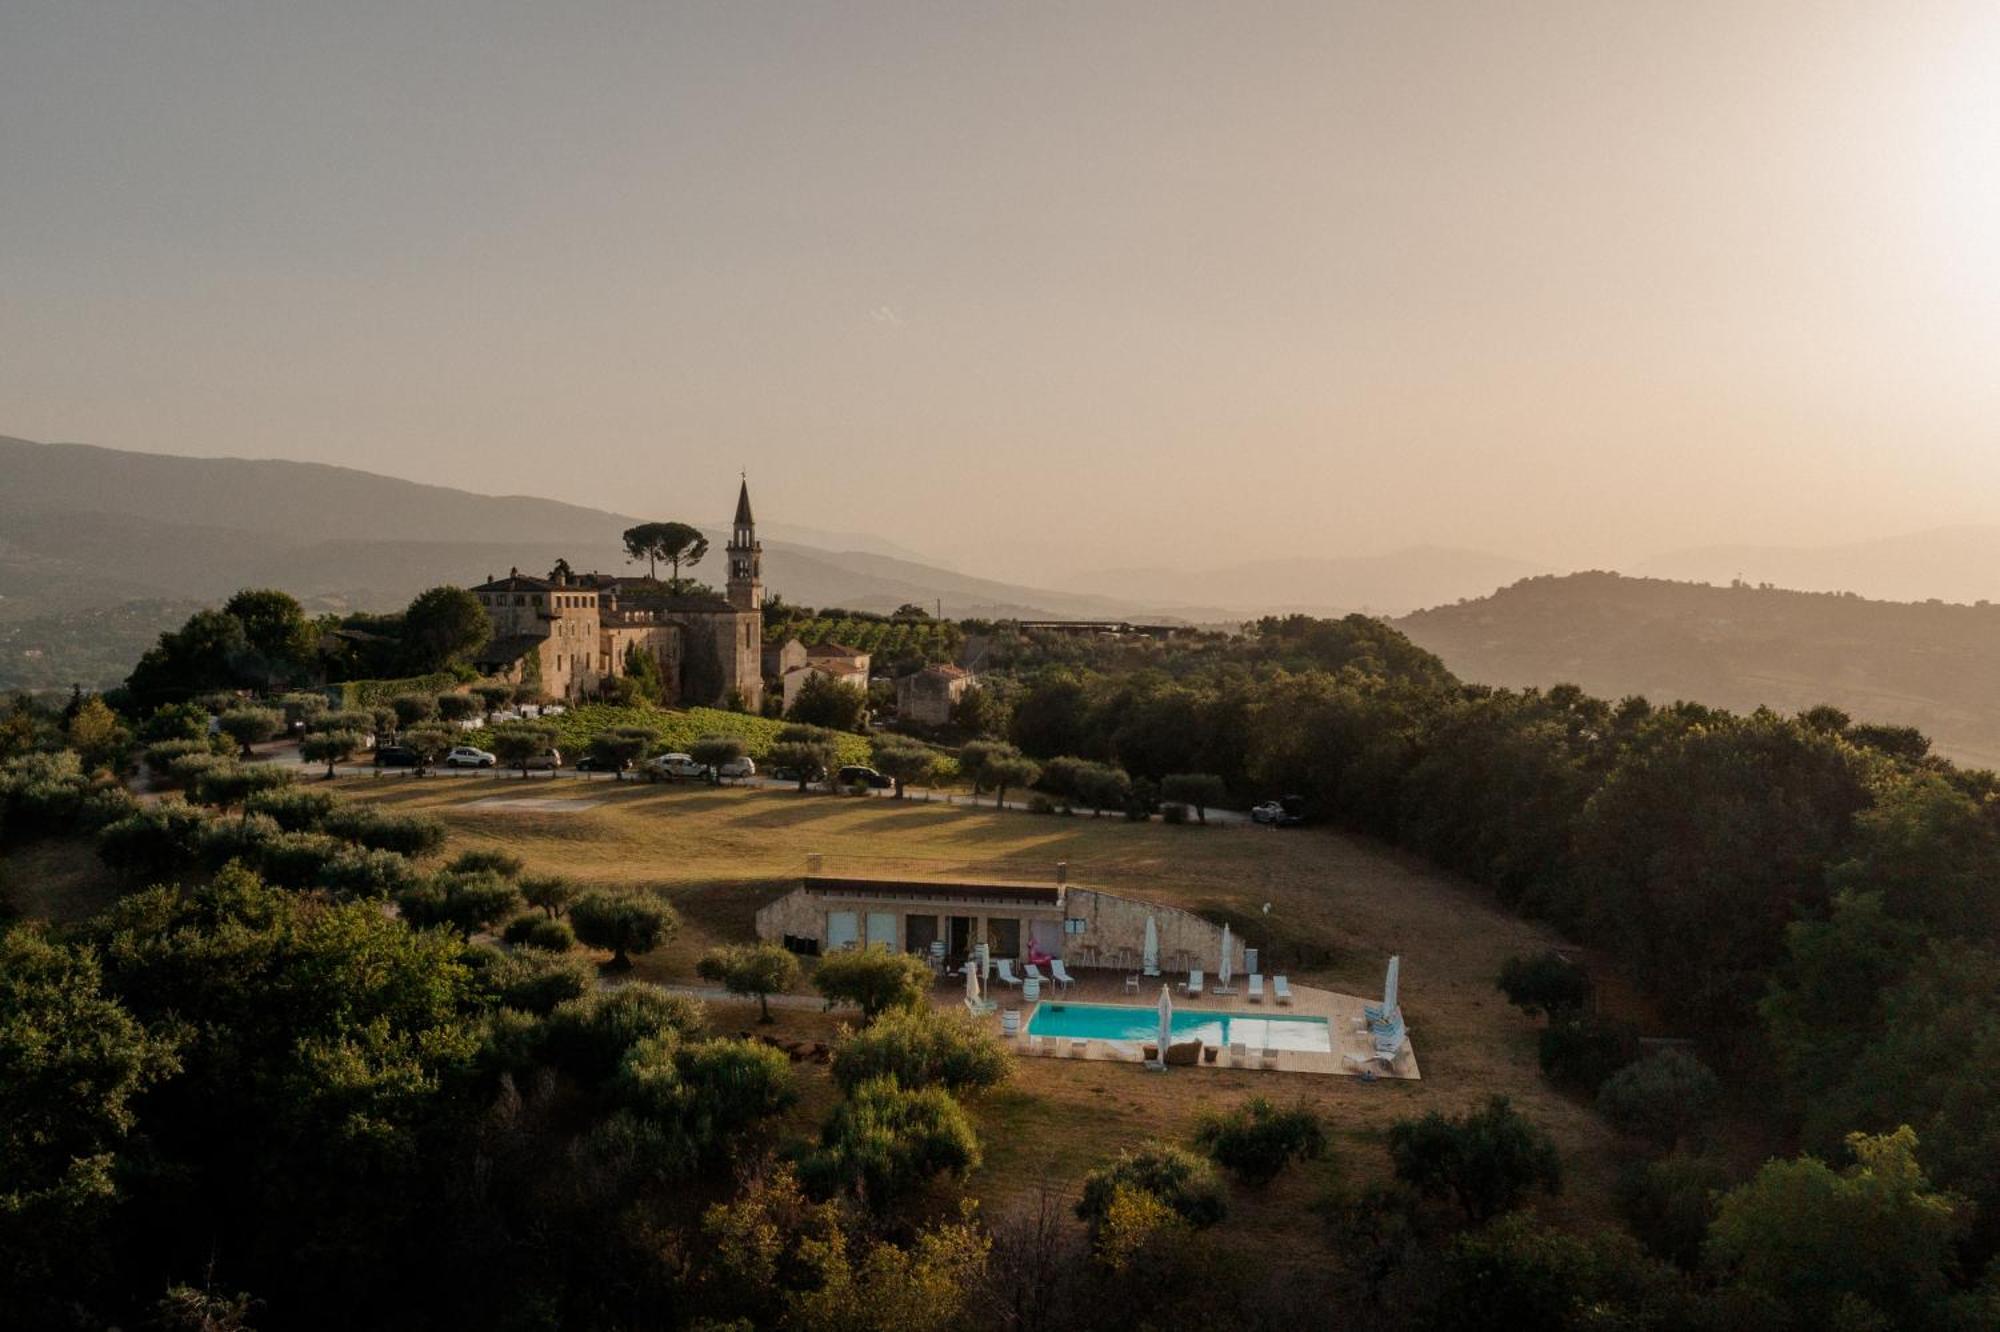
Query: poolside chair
{"x": 1005, "y": 967}
{"x": 1192, "y": 986}
{"x": 1034, "y": 973}
{"x": 1061, "y": 973}
{"x": 1239, "y": 1055}
{"x": 1256, "y": 988}
{"x": 1079, "y": 1049}
{"x": 1267, "y": 1059}
{"x": 1281, "y": 988}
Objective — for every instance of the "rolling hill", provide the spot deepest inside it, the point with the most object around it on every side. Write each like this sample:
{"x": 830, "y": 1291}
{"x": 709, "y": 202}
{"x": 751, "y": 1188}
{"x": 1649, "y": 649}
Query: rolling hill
{"x": 1932, "y": 665}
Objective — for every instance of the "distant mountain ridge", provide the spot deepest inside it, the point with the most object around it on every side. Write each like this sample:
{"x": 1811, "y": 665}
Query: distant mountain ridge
{"x": 1387, "y": 584}
{"x": 1935, "y": 666}
{"x": 82, "y": 525}
{"x": 1946, "y": 564}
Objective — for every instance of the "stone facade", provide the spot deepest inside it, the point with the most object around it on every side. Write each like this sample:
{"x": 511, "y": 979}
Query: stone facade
{"x": 835, "y": 661}
{"x": 571, "y": 633}
{"x": 928, "y": 696}
{"x": 1083, "y": 926}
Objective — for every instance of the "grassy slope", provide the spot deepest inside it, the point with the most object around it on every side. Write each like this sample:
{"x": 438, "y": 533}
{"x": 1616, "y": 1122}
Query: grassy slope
{"x": 1341, "y": 902}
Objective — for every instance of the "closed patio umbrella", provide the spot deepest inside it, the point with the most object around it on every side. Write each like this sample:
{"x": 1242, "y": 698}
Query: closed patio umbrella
{"x": 1222, "y": 972}
{"x": 1150, "y": 959}
{"x": 1166, "y": 1023}
{"x": 972, "y": 983}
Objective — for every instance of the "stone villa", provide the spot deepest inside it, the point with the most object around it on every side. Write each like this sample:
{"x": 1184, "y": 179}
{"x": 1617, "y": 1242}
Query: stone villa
{"x": 572, "y": 632}
{"x": 928, "y": 696}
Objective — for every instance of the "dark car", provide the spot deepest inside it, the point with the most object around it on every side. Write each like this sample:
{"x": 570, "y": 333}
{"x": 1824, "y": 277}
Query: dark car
{"x": 599, "y": 763}
{"x": 856, "y": 775}
{"x": 397, "y": 756}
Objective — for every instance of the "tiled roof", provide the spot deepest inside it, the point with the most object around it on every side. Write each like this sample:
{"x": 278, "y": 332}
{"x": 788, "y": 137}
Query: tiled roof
{"x": 831, "y": 649}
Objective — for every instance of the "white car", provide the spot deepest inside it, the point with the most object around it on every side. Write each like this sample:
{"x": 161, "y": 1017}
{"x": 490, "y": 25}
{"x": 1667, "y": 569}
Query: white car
{"x": 673, "y": 768}
{"x": 466, "y": 756}
{"x": 738, "y": 768}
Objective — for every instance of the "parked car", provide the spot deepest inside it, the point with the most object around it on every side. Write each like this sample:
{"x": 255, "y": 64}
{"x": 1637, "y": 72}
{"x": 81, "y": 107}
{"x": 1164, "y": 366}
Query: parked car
{"x": 468, "y": 756}
{"x": 738, "y": 768}
{"x": 673, "y": 768}
{"x": 854, "y": 774}
{"x": 790, "y": 774}
{"x": 546, "y": 761}
{"x": 396, "y": 756}
{"x": 1285, "y": 812}
{"x": 599, "y": 763}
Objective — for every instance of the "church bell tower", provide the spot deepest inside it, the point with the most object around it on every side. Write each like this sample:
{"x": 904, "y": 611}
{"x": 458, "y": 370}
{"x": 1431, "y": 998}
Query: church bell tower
{"x": 746, "y": 557}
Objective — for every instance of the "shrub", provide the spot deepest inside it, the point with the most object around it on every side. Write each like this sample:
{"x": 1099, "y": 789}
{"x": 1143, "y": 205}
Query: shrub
{"x": 703, "y": 1093}
{"x": 1187, "y": 1184}
{"x": 486, "y": 860}
{"x": 1581, "y": 1052}
{"x": 760, "y": 969}
{"x": 874, "y": 978}
{"x": 187, "y": 769}
{"x": 1488, "y": 1161}
{"x": 223, "y": 840}
{"x": 885, "y": 1142}
{"x": 623, "y": 923}
{"x": 921, "y": 1047}
{"x": 160, "y": 755}
{"x": 158, "y": 841}
{"x": 534, "y": 930}
{"x": 386, "y": 830}
{"x": 458, "y": 707}
{"x": 1175, "y": 814}
{"x": 1517, "y": 1273}
{"x": 232, "y": 784}
{"x": 1550, "y": 984}
{"x": 413, "y": 708}
{"x": 357, "y": 871}
{"x": 292, "y": 809}
{"x": 465, "y": 902}
{"x": 296, "y": 860}
{"x": 535, "y": 981}
{"x": 1257, "y": 1140}
{"x": 1668, "y": 1204}
{"x": 589, "y": 1036}
{"x": 1665, "y": 1098}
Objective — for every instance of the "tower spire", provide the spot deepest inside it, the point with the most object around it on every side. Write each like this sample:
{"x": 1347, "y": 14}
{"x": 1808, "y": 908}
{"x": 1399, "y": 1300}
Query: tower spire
{"x": 746, "y": 555}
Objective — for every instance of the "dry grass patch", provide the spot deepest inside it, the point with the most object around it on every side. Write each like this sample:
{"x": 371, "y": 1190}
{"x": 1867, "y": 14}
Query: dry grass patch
{"x": 1339, "y": 906}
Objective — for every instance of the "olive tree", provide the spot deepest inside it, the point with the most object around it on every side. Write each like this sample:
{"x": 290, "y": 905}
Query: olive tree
{"x": 329, "y": 747}
{"x": 751, "y": 969}
{"x": 518, "y": 744}
{"x": 875, "y": 979}
{"x": 250, "y": 726}
{"x": 906, "y": 763}
{"x": 623, "y": 923}
{"x": 921, "y": 1047}
{"x": 1197, "y": 790}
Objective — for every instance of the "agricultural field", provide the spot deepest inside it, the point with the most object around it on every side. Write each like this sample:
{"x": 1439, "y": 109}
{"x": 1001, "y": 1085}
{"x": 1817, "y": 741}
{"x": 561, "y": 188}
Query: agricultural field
{"x": 678, "y": 729}
{"x": 929, "y": 640}
{"x": 1338, "y": 906}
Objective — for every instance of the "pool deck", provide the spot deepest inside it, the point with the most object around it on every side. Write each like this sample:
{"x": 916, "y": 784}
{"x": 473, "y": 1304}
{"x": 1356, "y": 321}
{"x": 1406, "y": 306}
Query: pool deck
{"x": 1353, "y": 1054}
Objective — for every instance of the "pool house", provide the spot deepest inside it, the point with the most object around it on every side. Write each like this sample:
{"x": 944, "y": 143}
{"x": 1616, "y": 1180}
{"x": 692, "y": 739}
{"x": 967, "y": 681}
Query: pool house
{"x": 1083, "y": 926}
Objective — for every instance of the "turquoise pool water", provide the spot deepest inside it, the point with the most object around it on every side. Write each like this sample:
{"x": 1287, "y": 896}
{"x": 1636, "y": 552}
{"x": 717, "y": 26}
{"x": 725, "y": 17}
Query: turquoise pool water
{"x": 1121, "y": 1022}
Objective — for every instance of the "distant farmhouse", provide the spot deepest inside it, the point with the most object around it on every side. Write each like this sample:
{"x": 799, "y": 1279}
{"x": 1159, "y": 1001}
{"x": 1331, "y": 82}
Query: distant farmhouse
{"x": 834, "y": 661}
{"x": 572, "y": 632}
{"x": 928, "y": 696}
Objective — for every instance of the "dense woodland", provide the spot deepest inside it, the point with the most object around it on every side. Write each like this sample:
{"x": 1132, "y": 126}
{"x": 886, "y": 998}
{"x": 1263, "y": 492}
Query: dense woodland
{"x": 249, "y": 1096}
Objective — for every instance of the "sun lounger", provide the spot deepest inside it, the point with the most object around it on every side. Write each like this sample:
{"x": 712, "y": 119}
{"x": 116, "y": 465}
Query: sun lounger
{"x": 1061, "y": 974}
{"x": 1267, "y": 1059}
{"x": 1079, "y": 1049}
{"x": 1192, "y": 986}
{"x": 1281, "y": 989}
{"x": 1006, "y": 969}
{"x": 1034, "y": 973}
{"x": 1239, "y": 1055}
{"x": 1256, "y": 988}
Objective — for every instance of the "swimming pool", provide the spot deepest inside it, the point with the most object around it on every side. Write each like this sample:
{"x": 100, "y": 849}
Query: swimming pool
{"x": 1121, "y": 1022}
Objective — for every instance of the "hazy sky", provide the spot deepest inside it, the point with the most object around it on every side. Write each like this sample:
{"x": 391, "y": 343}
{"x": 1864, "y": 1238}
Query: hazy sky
{"x": 1036, "y": 289}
